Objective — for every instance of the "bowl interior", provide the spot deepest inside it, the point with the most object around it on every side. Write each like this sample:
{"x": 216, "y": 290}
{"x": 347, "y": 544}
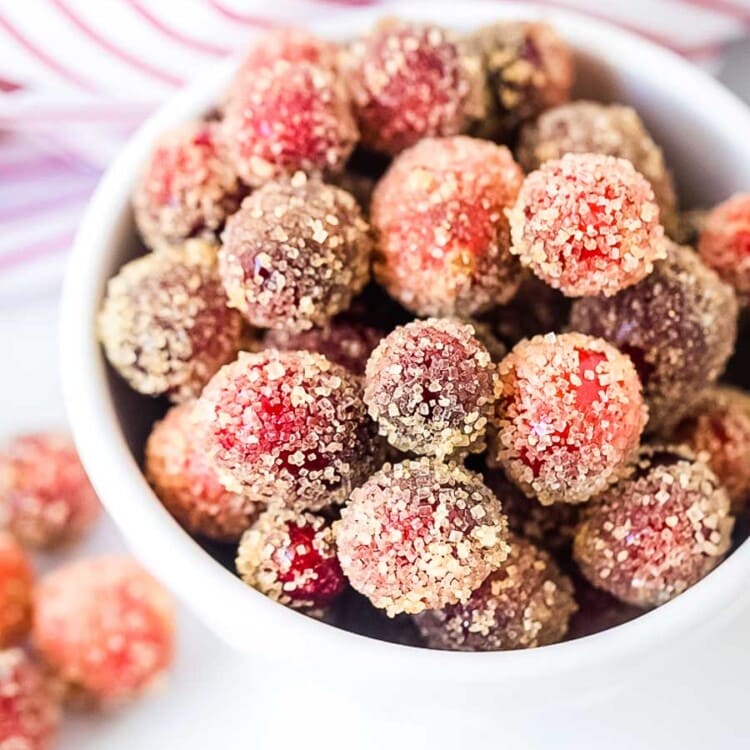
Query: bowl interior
{"x": 703, "y": 131}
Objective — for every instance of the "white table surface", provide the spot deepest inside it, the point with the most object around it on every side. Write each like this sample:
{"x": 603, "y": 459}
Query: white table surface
{"x": 215, "y": 699}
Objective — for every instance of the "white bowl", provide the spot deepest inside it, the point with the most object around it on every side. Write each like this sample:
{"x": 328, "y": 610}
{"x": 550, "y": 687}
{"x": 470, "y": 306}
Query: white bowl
{"x": 703, "y": 129}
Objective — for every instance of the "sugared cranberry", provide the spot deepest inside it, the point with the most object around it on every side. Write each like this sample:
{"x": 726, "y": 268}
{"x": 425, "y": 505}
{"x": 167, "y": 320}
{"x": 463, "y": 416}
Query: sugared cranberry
{"x": 420, "y": 535}
{"x": 288, "y": 427}
{"x": 570, "y": 416}
{"x": 657, "y": 533}
{"x": 104, "y": 627}
{"x": 291, "y": 557}
{"x": 587, "y": 224}
{"x": 46, "y": 499}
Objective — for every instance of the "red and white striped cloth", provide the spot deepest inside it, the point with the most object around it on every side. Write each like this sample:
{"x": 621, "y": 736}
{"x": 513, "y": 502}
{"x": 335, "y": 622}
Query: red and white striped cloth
{"x": 77, "y": 76}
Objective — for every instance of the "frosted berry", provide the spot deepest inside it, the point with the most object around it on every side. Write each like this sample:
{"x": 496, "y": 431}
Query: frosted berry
{"x": 165, "y": 325}
{"x": 724, "y": 243}
{"x": 718, "y": 431}
{"x": 295, "y": 254}
{"x": 188, "y": 485}
{"x": 46, "y": 499}
{"x": 443, "y": 237}
{"x": 285, "y": 117}
{"x": 407, "y": 82}
{"x": 570, "y": 416}
{"x": 104, "y": 627}
{"x": 587, "y": 224}
{"x": 526, "y": 68}
{"x": 288, "y": 427}
{"x": 29, "y": 705}
{"x": 678, "y": 326}
{"x": 656, "y": 533}
{"x": 420, "y": 535}
{"x": 525, "y": 603}
{"x": 291, "y": 557}
{"x": 431, "y": 387}
{"x": 187, "y": 189}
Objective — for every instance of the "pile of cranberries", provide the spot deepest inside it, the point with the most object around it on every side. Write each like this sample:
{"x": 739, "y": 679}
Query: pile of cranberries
{"x": 432, "y": 343}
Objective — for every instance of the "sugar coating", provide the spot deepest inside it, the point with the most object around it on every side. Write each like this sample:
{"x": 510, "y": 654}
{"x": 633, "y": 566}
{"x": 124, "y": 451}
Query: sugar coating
{"x": 718, "y": 431}
{"x": 290, "y": 44}
{"x": 431, "y": 386}
{"x": 288, "y": 116}
{"x": 188, "y": 485}
{"x": 29, "y": 705}
{"x": 295, "y": 254}
{"x": 188, "y": 187}
{"x": 105, "y": 628}
{"x": 291, "y": 557}
{"x": 678, "y": 326}
{"x": 570, "y": 416}
{"x": 724, "y": 243}
{"x": 443, "y": 237}
{"x": 591, "y": 127}
{"x": 16, "y": 582}
{"x": 526, "y": 68}
{"x": 348, "y": 343}
{"x": 535, "y": 308}
{"x": 524, "y": 604}
{"x": 165, "y": 324}
{"x": 289, "y": 428}
{"x": 46, "y": 499}
{"x": 407, "y": 81}
{"x": 657, "y": 532}
{"x": 419, "y": 535}
{"x": 587, "y": 224}
{"x": 549, "y": 526}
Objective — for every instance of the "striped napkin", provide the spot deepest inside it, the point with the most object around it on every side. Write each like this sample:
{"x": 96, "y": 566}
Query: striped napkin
{"x": 77, "y": 77}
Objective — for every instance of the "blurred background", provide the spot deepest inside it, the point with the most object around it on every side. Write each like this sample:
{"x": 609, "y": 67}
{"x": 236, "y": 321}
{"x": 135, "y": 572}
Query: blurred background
{"x": 77, "y": 77}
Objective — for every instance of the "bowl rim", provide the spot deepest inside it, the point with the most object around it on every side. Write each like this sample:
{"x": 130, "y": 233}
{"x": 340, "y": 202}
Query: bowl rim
{"x": 243, "y": 617}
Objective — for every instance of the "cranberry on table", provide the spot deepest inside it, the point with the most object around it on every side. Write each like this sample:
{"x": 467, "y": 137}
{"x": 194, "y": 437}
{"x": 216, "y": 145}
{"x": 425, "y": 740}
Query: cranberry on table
{"x": 657, "y": 532}
{"x": 291, "y": 557}
{"x": 420, "y": 535}
{"x": 431, "y": 387}
{"x": 288, "y": 427}
{"x": 525, "y": 68}
{"x": 592, "y": 127}
{"x": 16, "y": 584}
{"x": 105, "y": 628}
{"x": 165, "y": 325}
{"x": 188, "y": 485}
{"x": 46, "y": 499}
{"x": 295, "y": 254}
{"x": 570, "y": 417}
{"x": 587, "y": 224}
{"x": 443, "y": 236}
{"x": 724, "y": 243}
{"x": 407, "y": 81}
{"x": 718, "y": 430}
{"x": 348, "y": 343}
{"x": 188, "y": 187}
{"x": 525, "y": 603}
{"x": 678, "y": 326}
{"x": 288, "y": 116}
{"x": 29, "y": 705}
